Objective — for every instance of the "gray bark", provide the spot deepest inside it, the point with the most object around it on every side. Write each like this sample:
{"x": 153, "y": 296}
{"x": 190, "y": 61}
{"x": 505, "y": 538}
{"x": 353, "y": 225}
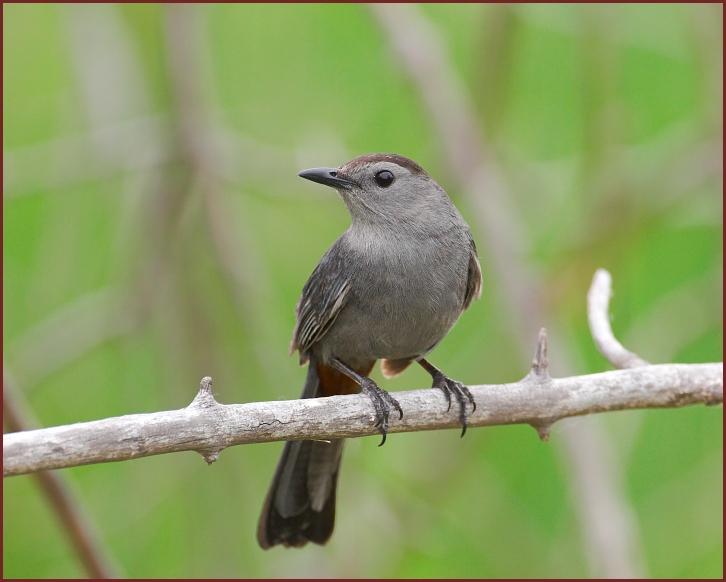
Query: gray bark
{"x": 208, "y": 427}
{"x": 598, "y": 300}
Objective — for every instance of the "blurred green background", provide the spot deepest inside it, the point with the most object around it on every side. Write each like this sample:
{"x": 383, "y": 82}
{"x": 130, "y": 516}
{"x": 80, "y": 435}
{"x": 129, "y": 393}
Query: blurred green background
{"x": 155, "y": 232}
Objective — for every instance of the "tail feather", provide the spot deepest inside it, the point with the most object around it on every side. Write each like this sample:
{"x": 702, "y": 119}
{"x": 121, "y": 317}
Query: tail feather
{"x": 300, "y": 505}
{"x": 297, "y": 510}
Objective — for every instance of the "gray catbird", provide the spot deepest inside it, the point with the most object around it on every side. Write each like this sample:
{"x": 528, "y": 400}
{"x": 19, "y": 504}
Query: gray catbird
{"x": 390, "y": 288}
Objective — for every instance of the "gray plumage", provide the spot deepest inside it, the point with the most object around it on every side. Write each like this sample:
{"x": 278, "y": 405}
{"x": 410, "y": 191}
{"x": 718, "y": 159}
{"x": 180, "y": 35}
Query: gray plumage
{"x": 396, "y": 281}
{"x": 390, "y": 288}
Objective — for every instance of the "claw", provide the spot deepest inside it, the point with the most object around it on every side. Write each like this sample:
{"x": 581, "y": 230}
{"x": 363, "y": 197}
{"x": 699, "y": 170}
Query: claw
{"x": 382, "y": 403}
{"x": 441, "y": 383}
{"x": 397, "y": 406}
{"x": 462, "y": 394}
{"x": 469, "y": 396}
{"x": 447, "y": 393}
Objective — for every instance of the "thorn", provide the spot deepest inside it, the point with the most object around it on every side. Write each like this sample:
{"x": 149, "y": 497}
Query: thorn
{"x": 210, "y": 456}
{"x": 206, "y": 385}
{"x": 540, "y": 364}
{"x": 205, "y": 397}
{"x": 543, "y": 430}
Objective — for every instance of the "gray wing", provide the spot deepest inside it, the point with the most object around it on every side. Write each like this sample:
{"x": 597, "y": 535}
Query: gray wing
{"x": 474, "y": 276}
{"x": 323, "y": 296}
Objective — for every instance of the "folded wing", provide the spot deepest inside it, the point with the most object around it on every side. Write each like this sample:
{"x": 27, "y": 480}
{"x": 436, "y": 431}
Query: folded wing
{"x": 322, "y": 299}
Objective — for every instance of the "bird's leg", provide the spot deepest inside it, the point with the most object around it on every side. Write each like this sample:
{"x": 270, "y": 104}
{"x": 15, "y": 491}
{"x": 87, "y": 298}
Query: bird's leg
{"x": 449, "y": 387}
{"x": 382, "y": 400}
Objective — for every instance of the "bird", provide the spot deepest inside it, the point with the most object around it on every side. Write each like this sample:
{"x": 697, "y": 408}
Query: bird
{"x": 389, "y": 288}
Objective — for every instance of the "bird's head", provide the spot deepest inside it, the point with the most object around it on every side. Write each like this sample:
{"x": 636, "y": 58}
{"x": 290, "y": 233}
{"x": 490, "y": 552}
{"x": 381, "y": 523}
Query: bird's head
{"x": 383, "y": 189}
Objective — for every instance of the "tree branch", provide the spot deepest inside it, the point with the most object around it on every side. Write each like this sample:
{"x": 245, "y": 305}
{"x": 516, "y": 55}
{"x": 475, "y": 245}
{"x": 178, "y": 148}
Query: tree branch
{"x": 598, "y": 300}
{"x": 208, "y": 427}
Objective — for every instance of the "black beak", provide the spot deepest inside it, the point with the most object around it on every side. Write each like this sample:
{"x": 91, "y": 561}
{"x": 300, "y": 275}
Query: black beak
{"x": 327, "y": 176}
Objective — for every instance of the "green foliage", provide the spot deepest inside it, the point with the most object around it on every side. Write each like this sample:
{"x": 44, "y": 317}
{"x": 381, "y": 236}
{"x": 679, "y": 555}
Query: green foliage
{"x": 606, "y": 122}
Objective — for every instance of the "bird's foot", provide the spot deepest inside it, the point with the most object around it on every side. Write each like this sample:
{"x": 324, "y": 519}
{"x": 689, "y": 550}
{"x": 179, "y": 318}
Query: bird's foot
{"x": 460, "y": 392}
{"x": 383, "y": 402}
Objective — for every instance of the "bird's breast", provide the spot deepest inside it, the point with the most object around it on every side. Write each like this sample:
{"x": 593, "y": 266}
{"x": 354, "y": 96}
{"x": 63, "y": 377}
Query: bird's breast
{"x": 404, "y": 298}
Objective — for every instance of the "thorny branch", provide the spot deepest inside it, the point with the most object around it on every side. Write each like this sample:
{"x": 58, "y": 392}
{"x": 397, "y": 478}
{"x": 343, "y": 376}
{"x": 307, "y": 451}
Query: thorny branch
{"x": 208, "y": 427}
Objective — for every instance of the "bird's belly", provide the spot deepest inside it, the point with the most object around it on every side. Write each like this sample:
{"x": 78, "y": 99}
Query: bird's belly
{"x": 408, "y": 333}
{"x": 394, "y": 320}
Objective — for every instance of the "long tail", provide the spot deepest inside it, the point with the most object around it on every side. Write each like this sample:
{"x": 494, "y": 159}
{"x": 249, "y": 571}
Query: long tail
{"x": 300, "y": 505}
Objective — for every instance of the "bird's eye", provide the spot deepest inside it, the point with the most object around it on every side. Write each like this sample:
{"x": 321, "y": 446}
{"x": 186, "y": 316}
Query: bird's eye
{"x": 384, "y": 178}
